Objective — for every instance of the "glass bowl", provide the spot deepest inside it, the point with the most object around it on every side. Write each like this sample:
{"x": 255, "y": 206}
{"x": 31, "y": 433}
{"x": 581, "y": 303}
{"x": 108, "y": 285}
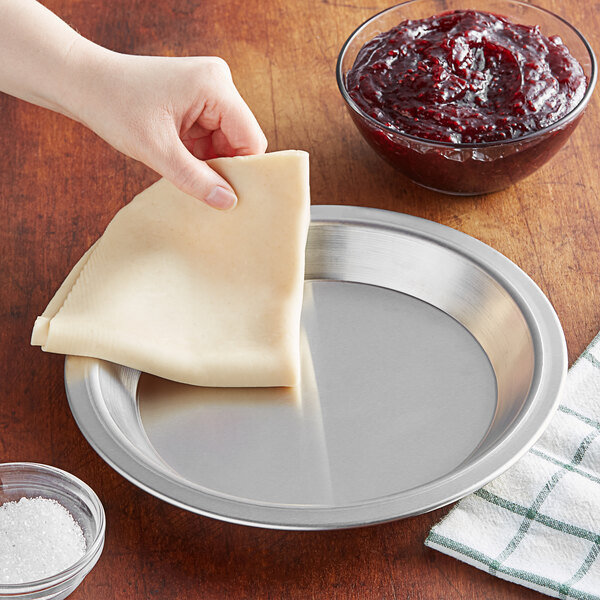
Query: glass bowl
{"x": 476, "y": 168}
{"x": 31, "y": 480}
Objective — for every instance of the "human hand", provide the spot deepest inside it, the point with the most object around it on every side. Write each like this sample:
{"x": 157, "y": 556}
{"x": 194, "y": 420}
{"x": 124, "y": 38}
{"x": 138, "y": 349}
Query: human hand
{"x": 169, "y": 113}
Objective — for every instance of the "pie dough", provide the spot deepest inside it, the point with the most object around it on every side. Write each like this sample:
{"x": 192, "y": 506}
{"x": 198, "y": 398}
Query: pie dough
{"x": 189, "y": 293}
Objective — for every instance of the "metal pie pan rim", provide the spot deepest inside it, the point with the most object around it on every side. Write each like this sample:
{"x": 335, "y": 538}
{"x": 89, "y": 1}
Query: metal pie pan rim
{"x": 551, "y": 367}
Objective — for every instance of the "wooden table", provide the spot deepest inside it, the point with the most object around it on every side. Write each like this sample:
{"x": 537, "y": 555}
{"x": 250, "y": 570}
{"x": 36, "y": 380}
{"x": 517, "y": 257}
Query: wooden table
{"x": 59, "y": 187}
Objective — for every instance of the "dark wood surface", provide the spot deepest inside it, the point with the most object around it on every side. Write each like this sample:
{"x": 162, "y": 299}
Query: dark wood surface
{"x": 59, "y": 187}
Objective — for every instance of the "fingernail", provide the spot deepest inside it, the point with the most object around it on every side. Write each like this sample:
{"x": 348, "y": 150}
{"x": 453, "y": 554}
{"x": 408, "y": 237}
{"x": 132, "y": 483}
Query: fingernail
{"x": 222, "y": 198}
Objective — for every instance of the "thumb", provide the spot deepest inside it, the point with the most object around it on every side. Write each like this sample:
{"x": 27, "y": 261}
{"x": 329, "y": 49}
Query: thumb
{"x": 196, "y": 178}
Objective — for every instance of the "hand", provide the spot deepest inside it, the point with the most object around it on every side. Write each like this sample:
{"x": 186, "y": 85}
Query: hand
{"x": 169, "y": 113}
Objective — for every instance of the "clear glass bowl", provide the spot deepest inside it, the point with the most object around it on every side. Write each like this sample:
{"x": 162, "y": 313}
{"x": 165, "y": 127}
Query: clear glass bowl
{"x": 30, "y": 480}
{"x": 467, "y": 169}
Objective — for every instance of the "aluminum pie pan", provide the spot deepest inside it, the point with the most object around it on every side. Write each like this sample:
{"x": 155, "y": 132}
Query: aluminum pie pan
{"x": 431, "y": 364}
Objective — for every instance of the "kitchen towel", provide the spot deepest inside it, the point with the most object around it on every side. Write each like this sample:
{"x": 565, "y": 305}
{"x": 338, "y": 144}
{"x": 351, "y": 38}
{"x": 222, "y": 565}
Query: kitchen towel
{"x": 538, "y": 524}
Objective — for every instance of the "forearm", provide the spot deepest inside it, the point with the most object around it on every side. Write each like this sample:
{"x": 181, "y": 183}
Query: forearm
{"x": 40, "y": 56}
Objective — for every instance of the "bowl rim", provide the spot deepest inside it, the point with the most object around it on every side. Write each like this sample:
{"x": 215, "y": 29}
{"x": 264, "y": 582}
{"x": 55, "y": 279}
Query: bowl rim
{"x": 92, "y": 550}
{"x": 565, "y": 119}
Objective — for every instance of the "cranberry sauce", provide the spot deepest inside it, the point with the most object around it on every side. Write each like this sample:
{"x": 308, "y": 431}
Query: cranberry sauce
{"x": 465, "y": 77}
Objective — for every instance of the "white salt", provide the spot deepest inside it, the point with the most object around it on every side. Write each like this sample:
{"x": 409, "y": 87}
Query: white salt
{"x": 38, "y": 538}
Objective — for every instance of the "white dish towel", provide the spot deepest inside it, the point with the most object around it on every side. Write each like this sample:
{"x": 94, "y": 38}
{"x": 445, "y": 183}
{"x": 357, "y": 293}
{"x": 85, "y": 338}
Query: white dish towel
{"x": 539, "y": 523}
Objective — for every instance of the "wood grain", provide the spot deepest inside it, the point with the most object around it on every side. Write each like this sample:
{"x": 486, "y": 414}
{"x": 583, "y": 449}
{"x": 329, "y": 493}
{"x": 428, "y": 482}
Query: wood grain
{"x": 59, "y": 187}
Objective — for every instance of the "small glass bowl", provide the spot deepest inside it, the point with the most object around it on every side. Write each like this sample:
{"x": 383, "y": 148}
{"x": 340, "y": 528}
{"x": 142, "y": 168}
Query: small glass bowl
{"x": 31, "y": 480}
{"x": 466, "y": 169}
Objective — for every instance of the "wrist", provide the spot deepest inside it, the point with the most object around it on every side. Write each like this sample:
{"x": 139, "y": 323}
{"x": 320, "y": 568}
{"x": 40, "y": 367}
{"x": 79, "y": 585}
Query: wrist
{"x": 80, "y": 77}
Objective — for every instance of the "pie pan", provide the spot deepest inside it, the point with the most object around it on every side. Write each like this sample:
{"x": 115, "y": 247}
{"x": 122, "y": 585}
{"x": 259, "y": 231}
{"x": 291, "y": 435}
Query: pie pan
{"x": 430, "y": 364}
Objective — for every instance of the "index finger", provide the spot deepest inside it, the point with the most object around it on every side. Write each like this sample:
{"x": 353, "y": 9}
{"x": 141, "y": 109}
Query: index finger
{"x": 239, "y": 127}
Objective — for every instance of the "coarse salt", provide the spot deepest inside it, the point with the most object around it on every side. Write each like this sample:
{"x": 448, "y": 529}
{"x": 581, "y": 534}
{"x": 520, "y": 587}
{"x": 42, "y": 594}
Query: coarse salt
{"x": 38, "y": 538}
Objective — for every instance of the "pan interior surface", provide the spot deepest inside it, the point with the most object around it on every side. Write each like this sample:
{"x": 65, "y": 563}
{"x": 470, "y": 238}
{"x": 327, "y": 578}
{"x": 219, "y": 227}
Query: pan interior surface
{"x": 391, "y": 398}
{"x": 395, "y": 392}
{"x": 429, "y": 364}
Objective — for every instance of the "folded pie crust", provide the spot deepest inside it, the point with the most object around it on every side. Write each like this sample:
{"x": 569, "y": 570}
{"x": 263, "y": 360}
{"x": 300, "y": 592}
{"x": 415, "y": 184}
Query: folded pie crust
{"x": 189, "y": 293}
